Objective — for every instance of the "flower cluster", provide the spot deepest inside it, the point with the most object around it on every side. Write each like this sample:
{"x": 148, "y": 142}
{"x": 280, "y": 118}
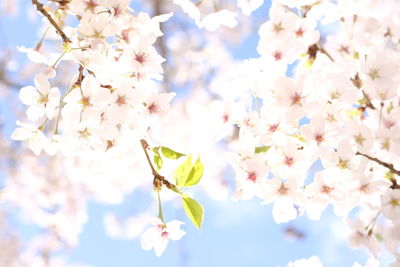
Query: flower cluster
{"x": 313, "y": 121}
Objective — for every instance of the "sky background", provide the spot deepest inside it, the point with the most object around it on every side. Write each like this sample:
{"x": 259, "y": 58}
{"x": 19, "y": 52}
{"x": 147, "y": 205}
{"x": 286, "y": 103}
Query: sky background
{"x": 234, "y": 233}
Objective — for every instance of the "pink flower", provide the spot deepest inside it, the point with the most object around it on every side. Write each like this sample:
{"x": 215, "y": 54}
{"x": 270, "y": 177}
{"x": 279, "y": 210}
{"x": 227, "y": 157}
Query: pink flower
{"x": 158, "y": 236}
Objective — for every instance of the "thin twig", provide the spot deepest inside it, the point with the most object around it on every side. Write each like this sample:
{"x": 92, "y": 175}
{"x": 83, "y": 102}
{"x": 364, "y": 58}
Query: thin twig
{"x": 153, "y": 170}
{"x": 380, "y": 162}
{"x": 40, "y": 8}
{"x": 368, "y": 100}
{"x": 390, "y": 166}
{"x": 159, "y": 180}
{"x": 323, "y": 51}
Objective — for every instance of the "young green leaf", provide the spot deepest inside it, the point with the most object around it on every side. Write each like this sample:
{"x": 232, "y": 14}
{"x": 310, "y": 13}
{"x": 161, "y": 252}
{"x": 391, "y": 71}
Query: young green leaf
{"x": 193, "y": 210}
{"x": 157, "y": 158}
{"x": 182, "y": 172}
{"x": 158, "y": 161}
{"x": 171, "y": 154}
{"x": 195, "y": 174}
{"x": 261, "y": 149}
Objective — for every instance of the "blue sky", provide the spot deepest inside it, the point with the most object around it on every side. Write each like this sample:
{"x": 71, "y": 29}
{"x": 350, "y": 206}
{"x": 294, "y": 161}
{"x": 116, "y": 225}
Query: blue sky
{"x": 234, "y": 233}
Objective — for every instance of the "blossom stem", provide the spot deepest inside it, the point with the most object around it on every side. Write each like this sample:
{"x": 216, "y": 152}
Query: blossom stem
{"x": 368, "y": 100}
{"x": 371, "y": 224}
{"x": 41, "y": 127}
{"x": 61, "y": 105}
{"x": 323, "y": 51}
{"x": 41, "y": 9}
{"x": 39, "y": 45}
{"x": 59, "y": 58}
{"x": 159, "y": 180}
{"x": 160, "y": 213}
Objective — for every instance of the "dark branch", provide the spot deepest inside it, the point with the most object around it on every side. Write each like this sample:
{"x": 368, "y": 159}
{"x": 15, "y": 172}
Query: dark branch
{"x": 159, "y": 180}
{"x": 382, "y": 163}
{"x": 40, "y": 8}
{"x": 386, "y": 165}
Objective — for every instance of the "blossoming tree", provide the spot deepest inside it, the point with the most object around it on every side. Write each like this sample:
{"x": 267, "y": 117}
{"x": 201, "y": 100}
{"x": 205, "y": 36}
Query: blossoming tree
{"x": 121, "y": 99}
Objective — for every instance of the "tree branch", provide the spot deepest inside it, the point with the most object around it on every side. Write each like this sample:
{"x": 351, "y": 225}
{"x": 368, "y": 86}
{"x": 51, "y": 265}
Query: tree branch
{"x": 40, "y": 8}
{"x": 382, "y": 163}
{"x": 386, "y": 165}
{"x": 159, "y": 180}
{"x": 323, "y": 51}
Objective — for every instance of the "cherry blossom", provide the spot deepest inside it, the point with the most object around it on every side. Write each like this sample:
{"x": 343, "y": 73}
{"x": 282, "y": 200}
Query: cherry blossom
{"x": 312, "y": 120}
{"x": 158, "y": 236}
{"x": 42, "y": 100}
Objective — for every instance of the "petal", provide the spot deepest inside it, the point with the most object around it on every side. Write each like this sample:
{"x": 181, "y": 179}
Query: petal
{"x": 21, "y": 134}
{"x": 42, "y": 83}
{"x": 35, "y": 112}
{"x": 36, "y": 144}
{"x": 176, "y": 234}
{"x": 51, "y": 146}
{"x": 149, "y": 237}
{"x": 160, "y": 245}
{"x": 28, "y": 95}
{"x": 54, "y": 94}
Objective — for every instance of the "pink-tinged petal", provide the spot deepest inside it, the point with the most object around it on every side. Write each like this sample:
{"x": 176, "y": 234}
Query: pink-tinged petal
{"x": 42, "y": 83}
{"x": 174, "y": 231}
{"x": 73, "y": 97}
{"x": 160, "y": 245}
{"x": 28, "y": 95}
{"x": 35, "y": 112}
{"x": 51, "y": 111}
{"x": 49, "y": 72}
{"x": 52, "y": 145}
{"x": 283, "y": 210}
{"x": 101, "y": 97}
{"x": 155, "y": 221}
{"x": 54, "y": 94}
{"x": 149, "y": 237}
{"x": 36, "y": 143}
{"x": 33, "y": 55}
{"x": 21, "y": 134}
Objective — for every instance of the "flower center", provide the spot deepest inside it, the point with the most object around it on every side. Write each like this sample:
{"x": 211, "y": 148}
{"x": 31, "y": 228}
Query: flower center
{"x": 164, "y": 234}
{"x": 140, "y": 57}
{"x": 272, "y": 128}
{"x": 252, "y": 177}
{"x": 289, "y": 161}
{"x": 319, "y": 138}
{"x": 277, "y": 55}
{"x": 154, "y": 108}
{"x": 296, "y": 99}
{"x": 121, "y": 100}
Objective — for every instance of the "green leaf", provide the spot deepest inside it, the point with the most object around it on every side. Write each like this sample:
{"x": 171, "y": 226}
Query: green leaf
{"x": 158, "y": 161}
{"x": 195, "y": 174}
{"x": 171, "y": 154}
{"x": 261, "y": 149}
{"x": 193, "y": 210}
{"x": 157, "y": 158}
{"x": 182, "y": 172}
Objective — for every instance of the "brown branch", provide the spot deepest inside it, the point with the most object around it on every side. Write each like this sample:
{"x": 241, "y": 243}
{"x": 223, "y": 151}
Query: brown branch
{"x": 323, "y": 51}
{"x": 386, "y": 165}
{"x": 368, "y": 100}
{"x": 382, "y": 163}
{"x": 145, "y": 146}
{"x": 40, "y": 8}
{"x": 159, "y": 180}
